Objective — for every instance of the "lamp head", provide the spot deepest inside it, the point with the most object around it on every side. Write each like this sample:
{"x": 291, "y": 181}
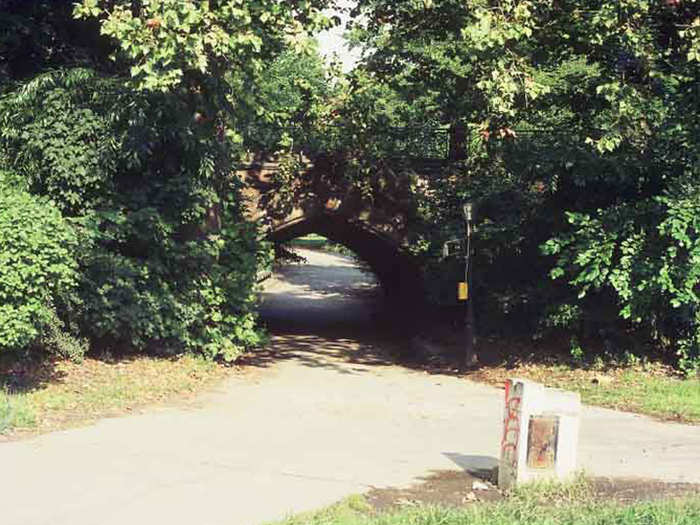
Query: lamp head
{"x": 468, "y": 211}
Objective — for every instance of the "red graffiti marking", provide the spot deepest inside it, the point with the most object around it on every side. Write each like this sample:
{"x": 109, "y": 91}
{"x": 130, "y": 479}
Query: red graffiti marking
{"x": 511, "y": 426}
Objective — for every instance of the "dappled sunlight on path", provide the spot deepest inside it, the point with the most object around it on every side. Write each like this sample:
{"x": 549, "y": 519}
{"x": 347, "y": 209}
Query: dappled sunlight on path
{"x": 318, "y": 351}
{"x": 328, "y": 297}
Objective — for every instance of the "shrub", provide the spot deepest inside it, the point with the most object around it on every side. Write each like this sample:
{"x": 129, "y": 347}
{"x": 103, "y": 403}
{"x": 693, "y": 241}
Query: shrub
{"x": 38, "y": 270}
{"x": 167, "y": 262}
{"x": 648, "y": 253}
{"x": 194, "y": 296}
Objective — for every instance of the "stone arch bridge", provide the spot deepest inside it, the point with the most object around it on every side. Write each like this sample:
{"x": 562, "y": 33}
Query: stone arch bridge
{"x": 318, "y": 199}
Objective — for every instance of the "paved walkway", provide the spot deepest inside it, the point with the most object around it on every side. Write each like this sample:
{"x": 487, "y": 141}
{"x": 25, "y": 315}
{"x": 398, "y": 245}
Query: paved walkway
{"x": 323, "y": 419}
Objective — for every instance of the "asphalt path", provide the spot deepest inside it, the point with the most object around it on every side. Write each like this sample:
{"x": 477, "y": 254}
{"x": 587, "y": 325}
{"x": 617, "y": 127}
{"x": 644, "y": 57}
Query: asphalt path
{"x": 319, "y": 415}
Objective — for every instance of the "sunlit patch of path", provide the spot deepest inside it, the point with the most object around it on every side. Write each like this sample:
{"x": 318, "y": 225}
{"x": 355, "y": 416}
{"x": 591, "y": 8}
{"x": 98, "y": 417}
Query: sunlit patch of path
{"x": 327, "y": 291}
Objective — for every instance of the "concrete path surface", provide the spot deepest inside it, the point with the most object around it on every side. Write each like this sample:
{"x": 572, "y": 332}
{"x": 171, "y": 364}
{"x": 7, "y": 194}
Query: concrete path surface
{"x": 318, "y": 418}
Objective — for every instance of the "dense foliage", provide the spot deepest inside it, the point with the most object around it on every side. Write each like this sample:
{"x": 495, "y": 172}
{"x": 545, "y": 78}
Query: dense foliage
{"x": 137, "y": 152}
{"x": 296, "y": 92}
{"x": 39, "y": 34}
{"x": 582, "y": 139}
{"x": 152, "y": 270}
{"x": 575, "y": 130}
{"x": 38, "y": 269}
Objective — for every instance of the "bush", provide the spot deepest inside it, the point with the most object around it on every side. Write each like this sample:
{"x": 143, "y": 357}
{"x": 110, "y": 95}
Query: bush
{"x": 194, "y": 296}
{"x": 167, "y": 262}
{"x": 38, "y": 270}
{"x": 648, "y": 253}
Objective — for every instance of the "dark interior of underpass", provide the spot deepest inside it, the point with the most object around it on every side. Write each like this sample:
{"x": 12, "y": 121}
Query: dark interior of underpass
{"x": 356, "y": 307}
{"x": 395, "y": 270}
{"x": 368, "y": 308}
{"x": 324, "y": 307}
{"x": 319, "y": 292}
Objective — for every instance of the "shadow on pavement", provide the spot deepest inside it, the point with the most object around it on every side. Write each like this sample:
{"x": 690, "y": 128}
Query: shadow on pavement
{"x": 344, "y": 280}
{"x": 318, "y": 351}
{"x": 328, "y": 313}
{"x": 483, "y": 467}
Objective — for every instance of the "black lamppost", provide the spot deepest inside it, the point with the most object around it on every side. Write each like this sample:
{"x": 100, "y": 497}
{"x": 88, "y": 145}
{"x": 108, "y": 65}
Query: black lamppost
{"x": 468, "y": 295}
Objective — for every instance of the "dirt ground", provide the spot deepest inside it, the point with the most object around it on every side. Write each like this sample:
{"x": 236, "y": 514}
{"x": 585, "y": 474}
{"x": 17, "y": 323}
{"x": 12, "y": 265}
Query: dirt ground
{"x": 451, "y": 488}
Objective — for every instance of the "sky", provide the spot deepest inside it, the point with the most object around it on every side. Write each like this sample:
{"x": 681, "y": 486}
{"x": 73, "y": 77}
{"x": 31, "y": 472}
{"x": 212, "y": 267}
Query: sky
{"x": 332, "y": 43}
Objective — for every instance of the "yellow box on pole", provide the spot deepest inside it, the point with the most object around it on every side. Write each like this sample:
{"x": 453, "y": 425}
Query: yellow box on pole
{"x": 462, "y": 291}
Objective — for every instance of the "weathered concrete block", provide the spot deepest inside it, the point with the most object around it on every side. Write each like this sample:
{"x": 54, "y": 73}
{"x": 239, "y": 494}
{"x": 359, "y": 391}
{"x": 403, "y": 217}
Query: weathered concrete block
{"x": 540, "y": 433}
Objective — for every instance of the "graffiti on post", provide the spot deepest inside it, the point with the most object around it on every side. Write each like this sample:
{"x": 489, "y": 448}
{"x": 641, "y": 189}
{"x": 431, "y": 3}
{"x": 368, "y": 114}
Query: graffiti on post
{"x": 511, "y": 430}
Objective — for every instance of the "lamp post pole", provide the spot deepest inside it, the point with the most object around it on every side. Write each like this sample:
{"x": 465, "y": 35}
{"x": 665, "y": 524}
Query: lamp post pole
{"x": 470, "y": 354}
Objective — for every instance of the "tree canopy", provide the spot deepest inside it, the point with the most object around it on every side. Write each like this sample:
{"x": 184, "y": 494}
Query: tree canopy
{"x": 585, "y": 133}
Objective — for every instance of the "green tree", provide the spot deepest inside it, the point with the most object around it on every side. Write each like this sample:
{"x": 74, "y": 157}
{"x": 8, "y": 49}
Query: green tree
{"x": 36, "y": 35}
{"x": 209, "y": 54}
{"x": 292, "y": 96}
{"x": 141, "y": 162}
{"x": 588, "y": 107}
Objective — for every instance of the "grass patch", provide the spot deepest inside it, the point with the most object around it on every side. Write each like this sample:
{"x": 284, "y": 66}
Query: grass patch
{"x": 76, "y": 393}
{"x": 15, "y": 411}
{"x": 352, "y": 510}
{"x": 311, "y": 240}
{"x": 684, "y": 512}
{"x": 653, "y": 390}
{"x": 543, "y": 504}
{"x": 318, "y": 242}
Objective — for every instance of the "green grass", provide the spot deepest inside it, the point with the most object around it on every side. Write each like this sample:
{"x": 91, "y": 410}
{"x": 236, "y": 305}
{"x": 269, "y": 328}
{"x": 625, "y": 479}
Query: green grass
{"x": 551, "y": 504}
{"x": 652, "y": 390}
{"x": 683, "y": 512}
{"x": 77, "y": 393}
{"x": 16, "y": 410}
{"x": 310, "y": 241}
{"x": 660, "y": 396}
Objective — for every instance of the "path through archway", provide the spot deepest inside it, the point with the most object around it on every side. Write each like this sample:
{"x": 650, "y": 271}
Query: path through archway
{"x": 397, "y": 271}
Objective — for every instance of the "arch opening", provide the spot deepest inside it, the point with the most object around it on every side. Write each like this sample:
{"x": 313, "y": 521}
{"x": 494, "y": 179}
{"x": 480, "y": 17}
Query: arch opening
{"x": 331, "y": 293}
{"x": 397, "y": 272}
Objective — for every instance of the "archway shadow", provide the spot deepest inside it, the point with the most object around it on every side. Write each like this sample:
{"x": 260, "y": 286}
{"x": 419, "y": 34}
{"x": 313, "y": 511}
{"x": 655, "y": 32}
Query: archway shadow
{"x": 318, "y": 351}
{"x": 395, "y": 269}
{"x": 326, "y": 315}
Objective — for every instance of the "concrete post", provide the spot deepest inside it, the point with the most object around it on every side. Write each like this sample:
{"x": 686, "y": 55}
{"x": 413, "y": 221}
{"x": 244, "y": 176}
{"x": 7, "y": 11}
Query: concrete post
{"x": 540, "y": 433}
